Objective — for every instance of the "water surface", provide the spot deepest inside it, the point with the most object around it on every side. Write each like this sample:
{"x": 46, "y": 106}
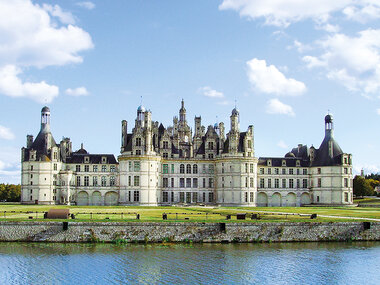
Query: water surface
{"x": 286, "y": 263}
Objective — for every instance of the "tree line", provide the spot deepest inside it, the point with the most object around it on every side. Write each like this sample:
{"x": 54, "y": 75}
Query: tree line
{"x": 365, "y": 186}
{"x": 10, "y": 193}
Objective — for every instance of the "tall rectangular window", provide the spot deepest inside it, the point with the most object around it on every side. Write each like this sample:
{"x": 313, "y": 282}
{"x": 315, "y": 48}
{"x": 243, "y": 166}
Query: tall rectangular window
{"x": 165, "y": 168}
{"x": 55, "y": 166}
{"x": 136, "y": 166}
{"x": 182, "y": 182}
{"x": 95, "y": 168}
{"x": 112, "y": 168}
{"x": 210, "y": 197}
{"x": 276, "y": 171}
{"x": 104, "y": 168}
{"x": 165, "y": 197}
{"x": 172, "y": 168}
{"x": 304, "y": 183}
{"x": 304, "y": 171}
{"x": 165, "y": 182}
{"x": 251, "y": 167}
{"x": 195, "y": 182}
{"x": 291, "y": 171}
{"x": 78, "y": 180}
{"x": 130, "y": 165}
{"x": 104, "y": 181}
{"x": 138, "y": 141}
{"x": 262, "y": 183}
{"x": 188, "y": 182}
{"x": 86, "y": 181}
{"x": 251, "y": 197}
{"x": 291, "y": 183}
{"x": 345, "y": 182}
{"x": 261, "y": 170}
{"x": 165, "y": 145}
{"x": 246, "y": 168}
{"x": 210, "y": 145}
{"x": 283, "y": 183}
{"x": 269, "y": 183}
{"x": 129, "y": 181}
{"x": 77, "y": 168}
{"x": 112, "y": 181}
{"x": 251, "y": 182}
{"x": 211, "y": 168}
{"x": 204, "y": 182}
{"x": 269, "y": 171}
{"x": 319, "y": 170}
{"x": 181, "y": 197}
{"x": 277, "y": 183}
{"x": 246, "y": 182}
{"x": 136, "y": 180}
{"x": 298, "y": 183}
{"x": 136, "y": 196}
{"x": 86, "y": 168}
{"x": 94, "y": 181}
{"x": 172, "y": 182}
{"x": 319, "y": 182}
{"x": 284, "y": 171}
{"x": 246, "y": 197}
{"x": 211, "y": 182}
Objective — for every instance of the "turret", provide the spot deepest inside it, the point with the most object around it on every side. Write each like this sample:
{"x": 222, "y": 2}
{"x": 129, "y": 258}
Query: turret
{"x": 234, "y": 120}
{"x": 140, "y": 120}
{"x": 329, "y": 126}
{"x": 182, "y": 112}
{"x": 45, "y": 120}
{"x": 198, "y": 126}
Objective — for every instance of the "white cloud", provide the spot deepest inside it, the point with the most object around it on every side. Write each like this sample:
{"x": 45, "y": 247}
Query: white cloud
{"x": 363, "y": 14}
{"x": 11, "y": 85}
{"x": 275, "y": 106}
{"x": 352, "y": 61}
{"x": 209, "y": 92}
{"x": 368, "y": 169}
{"x": 301, "y": 48}
{"x": 285, "y": 12}
{"x": 80, "y": 91}
{"x": 37, "y": 36}
{"x": 6, "y": 133}
{"x": 378, "y": 111}
{"x": 10, "y": 165}
{"x": 86, "y": 4}
{"x": 56, "y": 11}
{"x": 282, "y": 144}
{"x": 268, "y": 79}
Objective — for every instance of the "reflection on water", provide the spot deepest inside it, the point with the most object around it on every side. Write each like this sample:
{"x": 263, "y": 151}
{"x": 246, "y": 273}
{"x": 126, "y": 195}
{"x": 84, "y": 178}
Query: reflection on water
{"x": 290, "y": 263}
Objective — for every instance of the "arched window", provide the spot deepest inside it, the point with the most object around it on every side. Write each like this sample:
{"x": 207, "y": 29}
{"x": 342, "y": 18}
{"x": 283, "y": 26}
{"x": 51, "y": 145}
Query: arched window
{"x": 182, "y": 168}
{"x": 188, "y": 169}
{"x": 195, "y": 169}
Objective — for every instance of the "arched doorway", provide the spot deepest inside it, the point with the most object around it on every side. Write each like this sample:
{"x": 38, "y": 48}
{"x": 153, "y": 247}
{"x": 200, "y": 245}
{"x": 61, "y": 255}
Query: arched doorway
{"x": 82, "y": 198}
{"x": 276, "y": 200}
{"x": 262, "y": 200}
{"x": 305, "y": 199}
{"x": 291, "y": 200}
{"x": 96, "y": 198}
{"x": 110, "y": 198}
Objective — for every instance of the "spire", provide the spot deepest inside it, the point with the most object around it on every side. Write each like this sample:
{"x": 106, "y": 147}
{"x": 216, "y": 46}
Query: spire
{"x": 182, "y": 112}
{"x": 329, "y": 126}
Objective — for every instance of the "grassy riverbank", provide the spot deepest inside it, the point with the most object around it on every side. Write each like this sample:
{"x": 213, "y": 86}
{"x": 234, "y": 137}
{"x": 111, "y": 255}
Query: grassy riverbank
{"x": 11, "y": 212}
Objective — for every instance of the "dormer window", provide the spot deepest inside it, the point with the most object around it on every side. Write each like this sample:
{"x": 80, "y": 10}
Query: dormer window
{"x": 138, "y": 141}
{"x": 298, "y": 163}
{"x": 165, "y": 145}
{"x": 269, "y": 162}
{"x": 283, "y": 163}
{"x": 86, "y": 159}
{"x": 104, "y": 159}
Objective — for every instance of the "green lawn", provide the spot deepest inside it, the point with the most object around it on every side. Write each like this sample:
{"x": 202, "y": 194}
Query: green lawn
{"x": 187, "y": 214}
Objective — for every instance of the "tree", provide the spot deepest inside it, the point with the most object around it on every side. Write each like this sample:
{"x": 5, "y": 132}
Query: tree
{"x": 10, "y": 192}
{"x": 362, "y": 187}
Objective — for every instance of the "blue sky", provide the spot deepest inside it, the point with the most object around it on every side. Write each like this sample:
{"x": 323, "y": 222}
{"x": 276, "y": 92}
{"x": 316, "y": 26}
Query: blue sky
{"x": 285, "y": 62}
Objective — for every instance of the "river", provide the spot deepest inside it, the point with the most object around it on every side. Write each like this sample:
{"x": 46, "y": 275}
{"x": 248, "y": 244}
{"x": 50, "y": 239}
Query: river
{"x": 274, "y": 263}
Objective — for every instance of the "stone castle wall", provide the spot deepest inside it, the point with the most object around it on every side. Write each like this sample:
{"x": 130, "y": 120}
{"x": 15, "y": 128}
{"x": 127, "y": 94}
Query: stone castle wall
{"x": 187, "y": 231}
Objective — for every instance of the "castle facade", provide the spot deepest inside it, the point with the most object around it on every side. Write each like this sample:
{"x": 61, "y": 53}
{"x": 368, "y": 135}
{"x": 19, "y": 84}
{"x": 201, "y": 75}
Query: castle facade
{"x": 173, "y": 165}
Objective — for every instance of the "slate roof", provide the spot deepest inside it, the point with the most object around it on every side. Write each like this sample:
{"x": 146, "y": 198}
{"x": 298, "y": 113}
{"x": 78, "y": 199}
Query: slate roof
{"x": 93, "y": 158}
